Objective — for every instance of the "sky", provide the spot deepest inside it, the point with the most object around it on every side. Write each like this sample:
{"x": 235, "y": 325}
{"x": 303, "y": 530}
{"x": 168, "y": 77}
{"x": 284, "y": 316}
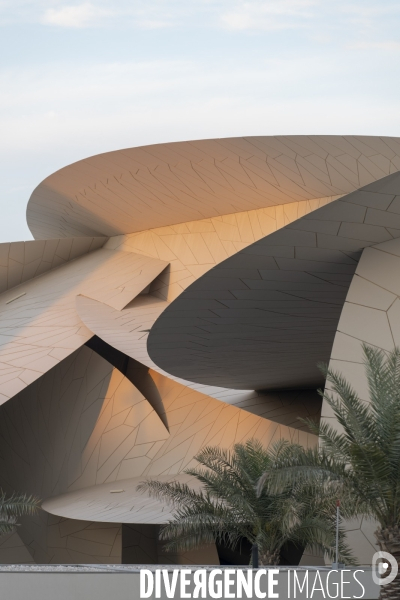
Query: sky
{"x": 81, "y": 78}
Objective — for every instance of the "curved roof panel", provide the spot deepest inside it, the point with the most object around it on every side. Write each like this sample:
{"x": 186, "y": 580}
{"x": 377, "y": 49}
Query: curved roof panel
{"x": 264, "y": 318}
{"x": 141, "y": 188}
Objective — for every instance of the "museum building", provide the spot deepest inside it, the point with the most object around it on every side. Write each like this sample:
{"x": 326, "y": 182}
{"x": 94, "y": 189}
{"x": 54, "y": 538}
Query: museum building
{"x": 177, "y": 296}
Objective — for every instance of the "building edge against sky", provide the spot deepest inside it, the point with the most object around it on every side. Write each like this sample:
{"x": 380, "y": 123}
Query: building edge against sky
{"x": 176, "y": 296}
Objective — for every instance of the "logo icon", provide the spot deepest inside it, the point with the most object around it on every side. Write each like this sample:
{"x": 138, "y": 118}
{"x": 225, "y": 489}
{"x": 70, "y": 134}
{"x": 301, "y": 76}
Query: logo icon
{"x": 383, "y": 562}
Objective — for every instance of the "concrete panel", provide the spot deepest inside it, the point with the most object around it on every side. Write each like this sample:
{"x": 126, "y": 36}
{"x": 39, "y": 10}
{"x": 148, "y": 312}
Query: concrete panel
{"x": 219, "y": 333}
{"x": 371, "y": 314}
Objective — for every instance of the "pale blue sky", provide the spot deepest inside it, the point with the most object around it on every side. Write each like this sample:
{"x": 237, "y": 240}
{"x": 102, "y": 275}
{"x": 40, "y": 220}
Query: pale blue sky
{"x": 79, "y": 78}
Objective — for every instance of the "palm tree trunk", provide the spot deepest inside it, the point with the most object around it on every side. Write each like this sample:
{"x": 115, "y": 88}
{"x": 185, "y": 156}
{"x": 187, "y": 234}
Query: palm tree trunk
{"x": 268, "y": 558}
{"x": 389, "y": 541}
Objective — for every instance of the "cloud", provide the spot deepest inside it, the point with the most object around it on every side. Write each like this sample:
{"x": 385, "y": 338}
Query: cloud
{"x": 388, "y": 45}
{"x": 80, "y": 15}
{"x": 268, "y": 14}
{"x": 342, "y": 18}
{"x": 98, "y": 13}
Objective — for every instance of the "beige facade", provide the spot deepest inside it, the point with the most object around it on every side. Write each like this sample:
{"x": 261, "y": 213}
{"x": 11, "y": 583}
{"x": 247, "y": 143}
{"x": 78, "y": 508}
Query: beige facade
{"x": 178, "y": 296}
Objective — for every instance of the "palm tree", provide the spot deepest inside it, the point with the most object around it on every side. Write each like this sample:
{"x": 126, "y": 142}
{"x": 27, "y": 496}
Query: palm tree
{"x": 228, "y": 508}
{"x": 14, "y": 506}
{"x": 360, "y": 459}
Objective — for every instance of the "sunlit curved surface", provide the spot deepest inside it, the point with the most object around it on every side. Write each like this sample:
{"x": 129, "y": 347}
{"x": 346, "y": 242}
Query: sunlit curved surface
{"x": 153, "y": 186}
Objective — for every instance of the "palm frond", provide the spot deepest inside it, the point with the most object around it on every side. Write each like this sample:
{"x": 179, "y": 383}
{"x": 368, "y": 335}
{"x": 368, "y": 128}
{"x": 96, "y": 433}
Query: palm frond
{"x": 18, "y": 504}
{"x": 250, "y": 492}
